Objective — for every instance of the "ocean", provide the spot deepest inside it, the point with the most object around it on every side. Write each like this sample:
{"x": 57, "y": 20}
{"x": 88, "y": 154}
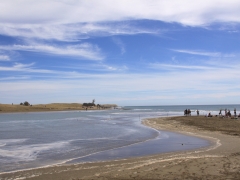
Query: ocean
{"x": 32, "y": 140}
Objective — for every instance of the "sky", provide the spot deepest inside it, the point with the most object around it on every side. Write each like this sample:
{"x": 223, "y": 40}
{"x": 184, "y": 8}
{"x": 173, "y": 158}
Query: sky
{"x": 128, "y": 52}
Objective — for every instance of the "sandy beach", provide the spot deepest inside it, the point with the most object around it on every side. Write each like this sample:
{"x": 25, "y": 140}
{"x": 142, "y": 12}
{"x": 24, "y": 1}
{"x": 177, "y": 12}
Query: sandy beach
{"x": 221, "y": 160}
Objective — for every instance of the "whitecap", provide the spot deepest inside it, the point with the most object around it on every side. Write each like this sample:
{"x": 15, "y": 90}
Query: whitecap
{"x": 29, "y": 152}
{"x": 4, "y": 142}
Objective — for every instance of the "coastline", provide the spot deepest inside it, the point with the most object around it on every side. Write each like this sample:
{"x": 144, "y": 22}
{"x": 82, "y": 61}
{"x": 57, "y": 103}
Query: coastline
{"x": 219, "y": 161}
{"x": 13, "y": 108}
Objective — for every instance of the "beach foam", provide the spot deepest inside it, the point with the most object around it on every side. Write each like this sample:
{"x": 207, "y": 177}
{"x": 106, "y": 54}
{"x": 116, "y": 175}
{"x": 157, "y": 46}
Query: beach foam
{"x": 18, "y": 152}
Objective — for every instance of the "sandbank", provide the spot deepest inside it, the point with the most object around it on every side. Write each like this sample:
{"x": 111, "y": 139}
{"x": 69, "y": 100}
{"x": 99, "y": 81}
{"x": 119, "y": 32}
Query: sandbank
{"x": 17, "y": 108}
{"x": 221, "y": 160}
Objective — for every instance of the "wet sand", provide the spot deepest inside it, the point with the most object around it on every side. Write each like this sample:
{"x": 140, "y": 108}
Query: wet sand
{"x": 219, "y": 161}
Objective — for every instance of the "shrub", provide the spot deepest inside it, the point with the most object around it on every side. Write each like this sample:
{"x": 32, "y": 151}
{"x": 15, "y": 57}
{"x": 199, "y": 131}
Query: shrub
{"x": 26, "y": 103}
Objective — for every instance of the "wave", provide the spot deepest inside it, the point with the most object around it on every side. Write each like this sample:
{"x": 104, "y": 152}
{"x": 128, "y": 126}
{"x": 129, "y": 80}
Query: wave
{"x": 4, "y": 142}
{"x": 28, "y": 152}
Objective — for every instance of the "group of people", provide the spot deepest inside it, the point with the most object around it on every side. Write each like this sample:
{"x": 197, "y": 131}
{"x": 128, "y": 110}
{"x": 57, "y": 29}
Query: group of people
{"x": 228, "y": 113}
{"x": 187, "y": 112}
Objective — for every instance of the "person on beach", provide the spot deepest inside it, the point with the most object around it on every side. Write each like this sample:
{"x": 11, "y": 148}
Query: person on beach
{"x": 185, "y": 112}
{"x": 235, "y": 113}
{"x": 220, "y": 112}
{"x": 209, "y": 114}
{"x": 229, "y": 113}
{"x": 197, "y": 112}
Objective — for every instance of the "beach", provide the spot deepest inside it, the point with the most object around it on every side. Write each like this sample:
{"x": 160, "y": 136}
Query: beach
{"x": 221, "y": 160}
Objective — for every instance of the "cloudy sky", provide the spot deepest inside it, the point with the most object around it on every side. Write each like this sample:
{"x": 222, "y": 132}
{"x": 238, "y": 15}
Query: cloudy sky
{"x": 128, "y": 52}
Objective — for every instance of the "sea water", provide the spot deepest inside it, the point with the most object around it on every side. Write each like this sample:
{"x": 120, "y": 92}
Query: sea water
{"x": 31, "y": 140}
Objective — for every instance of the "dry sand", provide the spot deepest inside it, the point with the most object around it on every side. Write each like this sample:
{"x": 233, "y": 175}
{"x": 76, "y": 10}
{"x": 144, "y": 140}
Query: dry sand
{"x": 9, "y": 108}
{"x": 219, "y": 161}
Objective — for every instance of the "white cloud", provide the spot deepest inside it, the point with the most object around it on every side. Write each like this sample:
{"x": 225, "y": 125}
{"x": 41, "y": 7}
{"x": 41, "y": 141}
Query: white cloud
{"x": 200, "y": 53}
{"x": 26, "y": 68}
{"x": 80, "y": 19}
{"x": 203, "y": 53}
{"x": 120, "y": 44}
{"x": 105, "y": 67}
{"x": 129, "y": 87}
{"x": 218, "y": 95}
{"x": 174, "y": 67}
{"x": 171, "y": 86}
{"x": 200, "y": 12}
{"x": 10, "y": 78}
{"x": 83, "y": 50}
{"x": 45, "y": 32}
{"x": 22, "y": 66}
{"x": 71, "y": 32}
{"x": 4, "y": 58}
{"x": 31, "y": 69}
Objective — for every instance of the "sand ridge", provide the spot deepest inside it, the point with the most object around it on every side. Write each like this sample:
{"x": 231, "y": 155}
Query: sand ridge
{"x": 16, "y": 108}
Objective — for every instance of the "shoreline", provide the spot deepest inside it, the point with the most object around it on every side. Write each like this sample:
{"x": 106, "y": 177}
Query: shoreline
{"x": 53, "y": 107}
{"x": 220, "y": 162}
{"x": 214, "y": 142}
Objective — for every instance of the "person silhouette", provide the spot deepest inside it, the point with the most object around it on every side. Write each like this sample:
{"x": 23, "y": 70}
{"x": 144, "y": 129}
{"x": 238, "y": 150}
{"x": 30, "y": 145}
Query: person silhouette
{"x": 220, "y": 112}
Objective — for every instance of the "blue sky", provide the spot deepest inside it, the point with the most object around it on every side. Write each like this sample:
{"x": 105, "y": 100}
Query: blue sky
{"x": 138, "y": 52}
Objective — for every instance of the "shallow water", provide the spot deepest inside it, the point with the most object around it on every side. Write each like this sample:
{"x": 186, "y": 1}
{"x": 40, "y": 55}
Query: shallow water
{"x": 29, "y": 140}
{"x": 165, "y": 142}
